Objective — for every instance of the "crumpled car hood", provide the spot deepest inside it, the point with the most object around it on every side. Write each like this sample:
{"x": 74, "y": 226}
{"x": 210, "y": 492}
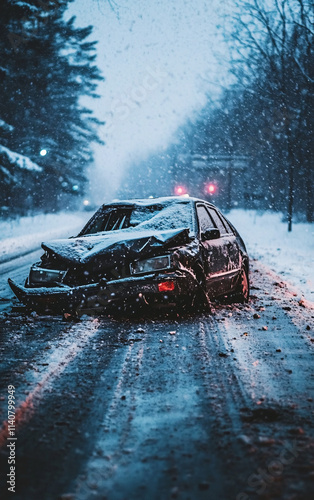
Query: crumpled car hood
{"x": 130, "y": 244}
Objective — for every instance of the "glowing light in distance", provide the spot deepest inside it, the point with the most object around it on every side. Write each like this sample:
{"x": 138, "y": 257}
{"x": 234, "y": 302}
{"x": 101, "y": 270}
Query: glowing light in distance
{"x": 211, "y": 188}
{"x": 180, "y": 190}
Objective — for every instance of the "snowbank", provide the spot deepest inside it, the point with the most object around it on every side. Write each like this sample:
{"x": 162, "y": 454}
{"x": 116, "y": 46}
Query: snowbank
{"x": 290, "y": 255}
{"x": 20, "y": 236}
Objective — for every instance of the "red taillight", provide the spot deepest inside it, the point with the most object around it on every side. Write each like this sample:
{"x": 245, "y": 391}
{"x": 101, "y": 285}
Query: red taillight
{"x": 166, "y": 286}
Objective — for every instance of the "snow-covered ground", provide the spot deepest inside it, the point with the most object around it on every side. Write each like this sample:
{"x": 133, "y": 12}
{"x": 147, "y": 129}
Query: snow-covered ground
{"x": 290, "y": 255}
{"x": 22, "y": 235}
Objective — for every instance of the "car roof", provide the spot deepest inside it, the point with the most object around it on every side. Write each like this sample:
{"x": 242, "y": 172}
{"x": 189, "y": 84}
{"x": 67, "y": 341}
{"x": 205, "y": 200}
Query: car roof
{"x": 146, "y": 202}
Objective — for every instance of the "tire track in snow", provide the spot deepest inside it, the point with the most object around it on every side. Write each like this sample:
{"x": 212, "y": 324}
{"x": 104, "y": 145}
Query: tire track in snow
{"x": 221, "y": 381}
{"x": 162, "y": 428}
{"x": 116, "y": 425}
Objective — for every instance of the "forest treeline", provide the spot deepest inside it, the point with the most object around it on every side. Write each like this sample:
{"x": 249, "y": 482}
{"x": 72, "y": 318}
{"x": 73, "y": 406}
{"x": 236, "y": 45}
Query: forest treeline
{"x": 46, "y": 134}
{"x": 267, "y": 113}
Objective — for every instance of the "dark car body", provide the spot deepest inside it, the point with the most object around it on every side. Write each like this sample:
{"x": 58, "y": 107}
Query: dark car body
{"x": 157, "y": 252}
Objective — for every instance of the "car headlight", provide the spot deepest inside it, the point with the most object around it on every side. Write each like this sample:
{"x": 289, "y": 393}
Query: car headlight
{"x": 40, "y": 275}
{"x": 149, "y": 265}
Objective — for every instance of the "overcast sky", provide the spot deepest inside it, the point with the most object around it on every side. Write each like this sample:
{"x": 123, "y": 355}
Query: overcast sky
{"x": 159, "y": 58}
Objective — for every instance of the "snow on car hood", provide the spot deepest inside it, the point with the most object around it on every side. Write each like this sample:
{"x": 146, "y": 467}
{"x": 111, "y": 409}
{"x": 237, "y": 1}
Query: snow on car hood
{"x": 121, "y": 243}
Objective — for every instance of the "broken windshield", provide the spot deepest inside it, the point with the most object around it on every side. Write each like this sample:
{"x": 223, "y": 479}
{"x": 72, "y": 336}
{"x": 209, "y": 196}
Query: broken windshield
{"x": 157, "y": 217}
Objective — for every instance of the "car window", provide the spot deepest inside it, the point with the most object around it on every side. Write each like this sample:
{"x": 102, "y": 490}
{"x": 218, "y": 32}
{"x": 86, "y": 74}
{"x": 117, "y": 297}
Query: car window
{"x": 226, "y": 223}
{"x": 218, "y": 222}
{"x": 113, "y": 221}
{"x": 110, "y": 220}
{"x": 204, "y": 219}
{"x": 174, "y": 216}
{"x": 143, "y": 214}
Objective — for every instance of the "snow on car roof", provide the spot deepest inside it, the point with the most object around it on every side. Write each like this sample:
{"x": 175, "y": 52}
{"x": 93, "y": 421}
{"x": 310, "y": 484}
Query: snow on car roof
{"x": 144, "y": 202}
{"x": 165, "y": 200}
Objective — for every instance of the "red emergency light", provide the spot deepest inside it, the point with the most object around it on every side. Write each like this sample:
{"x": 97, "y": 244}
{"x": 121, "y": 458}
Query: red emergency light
{"x": 180, "y": 190}
{"x": 210, "y": 188}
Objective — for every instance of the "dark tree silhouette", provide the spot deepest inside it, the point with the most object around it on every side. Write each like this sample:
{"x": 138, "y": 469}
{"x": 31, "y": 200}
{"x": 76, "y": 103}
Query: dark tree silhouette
{"x": 47, "y": 66}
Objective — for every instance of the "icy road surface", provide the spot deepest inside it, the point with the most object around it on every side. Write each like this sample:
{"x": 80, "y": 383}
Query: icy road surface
{"x": 207, "y": 407}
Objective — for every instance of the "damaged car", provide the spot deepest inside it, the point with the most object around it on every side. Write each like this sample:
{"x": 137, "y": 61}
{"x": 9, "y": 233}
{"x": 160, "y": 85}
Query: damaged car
{"x": 162, "y": 252}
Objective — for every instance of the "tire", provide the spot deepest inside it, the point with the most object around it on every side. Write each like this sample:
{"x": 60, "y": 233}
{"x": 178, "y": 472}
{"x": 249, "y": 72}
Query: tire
{"x": 242, "y": 291}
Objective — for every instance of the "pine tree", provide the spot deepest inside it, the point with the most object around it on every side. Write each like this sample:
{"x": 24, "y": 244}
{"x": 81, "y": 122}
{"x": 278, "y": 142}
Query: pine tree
{"x": 49, "y": 65}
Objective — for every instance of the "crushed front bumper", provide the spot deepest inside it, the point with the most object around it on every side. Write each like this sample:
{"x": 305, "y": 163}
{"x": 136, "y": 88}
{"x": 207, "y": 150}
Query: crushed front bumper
{"x": 101, "y": 297}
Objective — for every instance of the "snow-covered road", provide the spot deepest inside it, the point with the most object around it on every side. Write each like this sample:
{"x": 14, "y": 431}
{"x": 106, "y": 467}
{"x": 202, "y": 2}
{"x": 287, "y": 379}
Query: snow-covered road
{"x": 213, "y": 406}
{"x": 25, "y": 234}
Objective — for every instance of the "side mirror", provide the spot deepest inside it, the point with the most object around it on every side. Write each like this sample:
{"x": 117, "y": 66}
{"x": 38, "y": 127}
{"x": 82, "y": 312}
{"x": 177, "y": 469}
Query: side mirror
{"x": 210, "y": 234}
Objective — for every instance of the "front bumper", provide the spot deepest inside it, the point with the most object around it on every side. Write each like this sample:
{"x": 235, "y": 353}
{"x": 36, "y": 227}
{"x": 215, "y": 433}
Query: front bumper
{"x": 101, "y": 297}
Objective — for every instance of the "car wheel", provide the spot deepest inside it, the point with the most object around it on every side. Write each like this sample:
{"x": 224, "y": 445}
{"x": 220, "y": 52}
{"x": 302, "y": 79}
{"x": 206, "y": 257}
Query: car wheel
{"x": 242, "y": 291}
